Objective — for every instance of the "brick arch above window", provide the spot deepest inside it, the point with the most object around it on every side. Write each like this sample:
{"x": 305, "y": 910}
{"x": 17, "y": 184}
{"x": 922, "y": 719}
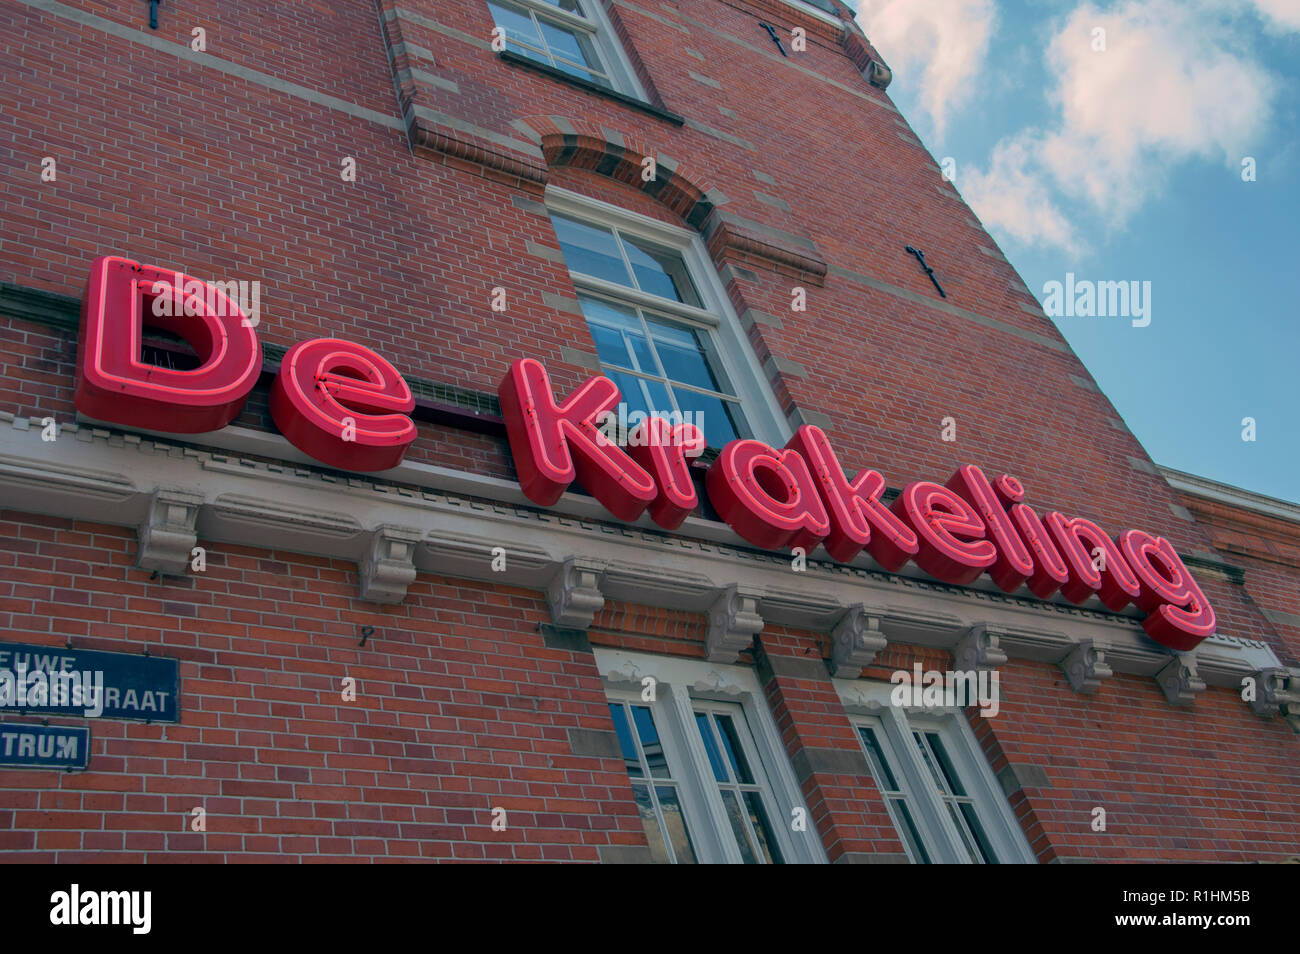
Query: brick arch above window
{"x": 580, "y": 144}
{"x": 620, "y": 156}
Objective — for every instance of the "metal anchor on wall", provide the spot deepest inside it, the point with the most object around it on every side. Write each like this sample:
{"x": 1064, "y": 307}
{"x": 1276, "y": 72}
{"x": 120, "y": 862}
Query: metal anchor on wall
{"x": 920, "y": 257}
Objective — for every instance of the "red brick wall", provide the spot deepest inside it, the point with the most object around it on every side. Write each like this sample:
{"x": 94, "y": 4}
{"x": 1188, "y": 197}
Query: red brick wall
{"x": 460, "y": 709}
{"x": 1268, "y": 549}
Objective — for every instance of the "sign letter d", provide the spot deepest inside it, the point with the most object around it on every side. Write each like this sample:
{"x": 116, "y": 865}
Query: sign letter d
{"x": 116, "y": 386}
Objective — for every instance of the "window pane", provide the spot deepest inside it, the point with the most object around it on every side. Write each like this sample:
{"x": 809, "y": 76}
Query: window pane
{"x": 610, "y": 346}
{"x": 590, "y": 250}
{"x": 660, "y": 272}
{"x": 950, "y": 773}
{"x": 678, "y": 834}
{"x": 650, "y": 744}
{"x": 682, "y": 354}
{"x": 570, "y": 5}
{"x": 565, "y": 43}
{"x": 607, "y": 313}
{"x": 666, "y": 330}
{"x": 939, "y": 781}
{"x": 758, "y": 818}
{"x": 654, "y": 835}
{"x": 609, "y": 324}
{"x": 981, "y": 839}
{"x": 517, "y": 24}
{"x": 711, "y": 415}
{"x": 735, "y": 754}
{"x": 908, "y": 830}
{"x": 738, "y": 827}
{"x": 879, "y": 767}
{"x": 711, "y": 746}
{"x": 630, "y": 757}
{"x": 645, "y": 360}
{"x": 531, "y": 53}
{"x": 630, "y": 387}
{"x": 660, "y": 403}
{"x": 581, "y": 72}
{"x": 961, "y": 829}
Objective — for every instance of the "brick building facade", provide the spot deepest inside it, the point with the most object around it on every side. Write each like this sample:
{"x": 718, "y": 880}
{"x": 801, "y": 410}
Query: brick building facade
{"x": 709, "y": 201}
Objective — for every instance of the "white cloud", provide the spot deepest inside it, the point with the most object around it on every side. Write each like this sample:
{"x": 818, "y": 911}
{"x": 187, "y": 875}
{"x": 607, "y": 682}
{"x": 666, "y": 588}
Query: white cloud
{"x": 1170, "y": 86}
{"x": 1280, "y": 15}
{"x": 1165, "y": 89}
{"x": 1014, "y": 199}
{"x": 941, "y": 45}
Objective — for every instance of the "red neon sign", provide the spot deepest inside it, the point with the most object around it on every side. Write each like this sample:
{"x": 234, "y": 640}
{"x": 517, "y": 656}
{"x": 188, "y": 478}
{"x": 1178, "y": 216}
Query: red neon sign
{"x": 339, "y": 402}
{"x": 767, "y": 496}
{"x": 345, "y": 405}
{"x": 113, "y": 384}
{"x": 666, "y": 452}
{"x": 951, "y": 534}
{"x": 559, "y": 443}
{"x": 800, "y": 497}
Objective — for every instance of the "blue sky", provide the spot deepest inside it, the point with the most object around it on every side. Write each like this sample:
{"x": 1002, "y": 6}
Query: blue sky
{"x": 1117, "y": 156}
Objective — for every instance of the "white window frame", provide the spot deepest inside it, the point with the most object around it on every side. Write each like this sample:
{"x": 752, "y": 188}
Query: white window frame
{"x": 716, "y": 317}
{"x": 914, "y": 805}
{"x": 614, "y": 59}
{"x": 679, "y": 686}
{"x": 812, "y": 11}
{"x": 869, "y": 703}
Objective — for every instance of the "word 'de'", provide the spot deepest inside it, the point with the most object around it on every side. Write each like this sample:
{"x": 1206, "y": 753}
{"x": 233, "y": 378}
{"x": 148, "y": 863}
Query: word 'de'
{"x": 337, "y": 401}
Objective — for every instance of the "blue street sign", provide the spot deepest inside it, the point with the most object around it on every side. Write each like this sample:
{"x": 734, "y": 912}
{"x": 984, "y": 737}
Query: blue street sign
{"x": 88, "y": 683}
{"x": 44, "y": 746}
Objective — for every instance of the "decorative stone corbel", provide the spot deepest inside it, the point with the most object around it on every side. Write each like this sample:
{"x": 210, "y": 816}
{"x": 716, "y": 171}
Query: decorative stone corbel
{"x": 389, "y": 567}
{"x": 1291, "y": 708}
{"x": 1180, "y": 681}
{"x": 733, "y": 623}
{"x": 574, "y": 593}
{"x": 855, "y": 641}
{"x": 978, "y": 650}
{"x": 1277, "y": 692}
{"x": 167, "y": 535}
{"x": 878, "y": 74}
{"x": 1085, "y": 667}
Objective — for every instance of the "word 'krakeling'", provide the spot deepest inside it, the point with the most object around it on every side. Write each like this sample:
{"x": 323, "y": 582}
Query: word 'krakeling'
{"x": 799, "y": 496}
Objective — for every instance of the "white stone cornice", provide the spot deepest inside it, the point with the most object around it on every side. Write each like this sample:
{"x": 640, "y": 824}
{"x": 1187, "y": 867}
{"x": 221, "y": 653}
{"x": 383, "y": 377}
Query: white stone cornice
{"x": 790, "y": 604}
{"x": 273, "y": 522}
{"x": 504, "y": 559}
{"x": 627, "y": 580}
{"x": 103, "y": 476}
